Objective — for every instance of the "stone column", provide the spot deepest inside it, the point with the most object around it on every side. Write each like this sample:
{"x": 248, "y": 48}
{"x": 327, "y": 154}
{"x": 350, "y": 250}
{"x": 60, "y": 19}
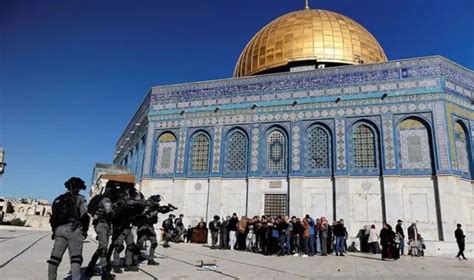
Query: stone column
{"x": 343, "y": 200}
{"x": 215, "y": 198}
{"x": 296, "y": 197}
{"x": 393, "y": 199}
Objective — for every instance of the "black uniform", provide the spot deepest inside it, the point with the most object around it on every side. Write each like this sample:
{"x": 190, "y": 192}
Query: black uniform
{"x": 69, "y": 222}
{"x": 146, "y": 231}
{"x": 124, "y": 213}
{"x": 460, "y": 239}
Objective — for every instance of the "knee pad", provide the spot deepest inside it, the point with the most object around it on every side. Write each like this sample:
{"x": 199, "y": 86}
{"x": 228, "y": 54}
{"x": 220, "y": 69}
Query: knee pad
{"x": 119, "y": 248}
{"x": 76, "y": 259}
{"x": 55, "y": 261}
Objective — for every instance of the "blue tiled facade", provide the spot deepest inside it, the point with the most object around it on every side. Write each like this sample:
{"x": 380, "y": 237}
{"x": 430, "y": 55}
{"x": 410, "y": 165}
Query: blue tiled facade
{"x": 380, "y": 96}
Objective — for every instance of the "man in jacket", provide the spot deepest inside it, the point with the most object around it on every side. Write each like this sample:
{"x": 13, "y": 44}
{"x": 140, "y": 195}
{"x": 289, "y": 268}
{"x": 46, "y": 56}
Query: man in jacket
{"x": 340, "y": 234}
{"x": 460, "y": 239}
{"x": 401, "y": 236}
{"x": 214, "y": 227}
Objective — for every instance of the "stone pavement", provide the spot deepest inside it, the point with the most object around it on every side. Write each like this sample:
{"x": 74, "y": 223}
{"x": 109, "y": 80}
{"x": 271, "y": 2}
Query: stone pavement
{"x": 23, "y": 255}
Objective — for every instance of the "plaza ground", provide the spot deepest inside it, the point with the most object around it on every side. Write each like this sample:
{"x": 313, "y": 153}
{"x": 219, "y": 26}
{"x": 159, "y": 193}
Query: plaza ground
{"x": 24, "y": 254}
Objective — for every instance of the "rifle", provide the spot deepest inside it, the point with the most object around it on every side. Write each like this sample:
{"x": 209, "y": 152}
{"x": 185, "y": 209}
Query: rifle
{"x": 166, "y": 208}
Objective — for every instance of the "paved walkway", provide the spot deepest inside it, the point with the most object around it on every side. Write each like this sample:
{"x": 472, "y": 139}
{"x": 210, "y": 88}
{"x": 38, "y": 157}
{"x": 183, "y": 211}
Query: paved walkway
{"x": 23, "y": 255}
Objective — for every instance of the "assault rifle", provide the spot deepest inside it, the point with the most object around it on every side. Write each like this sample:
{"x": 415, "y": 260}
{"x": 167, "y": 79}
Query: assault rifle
{"x": 166, "y": 208}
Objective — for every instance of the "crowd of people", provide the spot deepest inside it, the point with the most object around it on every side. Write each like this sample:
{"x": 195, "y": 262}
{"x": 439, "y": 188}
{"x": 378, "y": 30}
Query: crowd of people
{"x": 279, "y": 235}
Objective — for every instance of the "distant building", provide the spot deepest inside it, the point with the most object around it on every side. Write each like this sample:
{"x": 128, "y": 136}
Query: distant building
{"x": 35, "y": 212}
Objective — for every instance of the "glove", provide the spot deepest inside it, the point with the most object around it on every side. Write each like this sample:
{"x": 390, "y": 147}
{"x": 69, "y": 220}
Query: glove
{"x": 52, "y": 236}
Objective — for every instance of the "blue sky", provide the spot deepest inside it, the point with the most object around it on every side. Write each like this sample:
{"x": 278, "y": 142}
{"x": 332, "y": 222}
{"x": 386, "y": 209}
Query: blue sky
{"x": 72, "y": 73}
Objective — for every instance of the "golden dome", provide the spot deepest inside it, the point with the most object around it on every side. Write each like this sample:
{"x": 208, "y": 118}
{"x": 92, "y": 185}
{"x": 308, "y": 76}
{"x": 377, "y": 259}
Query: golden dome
{"x": 308, "y": 34}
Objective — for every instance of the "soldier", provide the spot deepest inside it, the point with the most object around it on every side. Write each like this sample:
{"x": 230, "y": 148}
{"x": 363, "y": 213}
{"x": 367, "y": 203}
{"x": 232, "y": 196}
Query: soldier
{"x": 69, "y": 222}
{"x": 168, "y": 230}
{"x": 100, "y": 208}
{"x": 146, "y": 229}
{"x": 122, "y": 232}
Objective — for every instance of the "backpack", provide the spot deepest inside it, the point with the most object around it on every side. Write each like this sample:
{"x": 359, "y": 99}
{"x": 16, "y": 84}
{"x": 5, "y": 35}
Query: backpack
{"x": 94, "y": 204}
{"x": 63, "y": 211}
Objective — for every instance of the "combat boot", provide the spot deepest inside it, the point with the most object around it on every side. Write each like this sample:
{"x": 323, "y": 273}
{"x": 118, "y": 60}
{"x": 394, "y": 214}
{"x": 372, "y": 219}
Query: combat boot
{"x": 106, "y": 275}
{"x": 131, "y": 268}
{"x": 89, "y": 273}
{"x": 117, "y": 270}
{"x": 153, "y": 262}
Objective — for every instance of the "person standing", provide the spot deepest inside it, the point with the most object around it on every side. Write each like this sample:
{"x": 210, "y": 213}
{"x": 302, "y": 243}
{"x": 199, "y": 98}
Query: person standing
{"x": 373, "y": 240}
{"x": 413, "y": 240}
{"x": 401, "y": 236}
{"x": 340, "y": 235}
{"x": 312, "y": 240}
{"x": 306, "y": 236}
{"x": 460, "y": 239}
{"x": 102, "y": 214}
{"x": 146, "y": 229}
{"x": 214, "y": 227}
{"x": 317, "y": 231}
{"x": 324, "y": 236}
{"x": 387, "y": 240}
{"x": 69, "y": 222}
{"x": 241, "y": 233}
{"x": 232, "y": 230}
{"x": 224, "y": 233}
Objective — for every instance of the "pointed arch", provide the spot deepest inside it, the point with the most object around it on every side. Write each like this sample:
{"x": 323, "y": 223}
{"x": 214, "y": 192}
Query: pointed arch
{"x": 200, "y": 153}
{"x": 276, "y": 151}
{"x": 165, "y": 153}
{"x": 236, "y": 152}
{"x": 461, "y": 143}
{"x": 415, "y": 147}
{"x": 364, "y": 149}
{"x": 318, "y": 149}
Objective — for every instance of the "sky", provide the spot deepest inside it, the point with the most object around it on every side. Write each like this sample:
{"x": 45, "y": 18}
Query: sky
{"x": 72, "y": 73}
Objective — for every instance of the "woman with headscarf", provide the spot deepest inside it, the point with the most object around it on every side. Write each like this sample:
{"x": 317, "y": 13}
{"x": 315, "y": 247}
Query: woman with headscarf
{"x": 387, "y": 240}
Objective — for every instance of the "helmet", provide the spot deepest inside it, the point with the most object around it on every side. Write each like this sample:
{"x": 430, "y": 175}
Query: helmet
{"x": 75, "y": 183}
{"x": 155, "y": 198}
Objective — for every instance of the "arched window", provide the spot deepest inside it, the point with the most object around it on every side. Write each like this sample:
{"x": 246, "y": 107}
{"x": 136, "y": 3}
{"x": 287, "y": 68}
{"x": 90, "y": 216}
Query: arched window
{"x": 317, "y": 154}
{"x": 364, "y": 147}
{"x": 460, "y": 141}
{"x": 276, "y": 155}
{"x": 166, "y": 151}
{"x": 415, "y": 150}
{"x": 236, "y": 153}
{"x": 200, "y": 154}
